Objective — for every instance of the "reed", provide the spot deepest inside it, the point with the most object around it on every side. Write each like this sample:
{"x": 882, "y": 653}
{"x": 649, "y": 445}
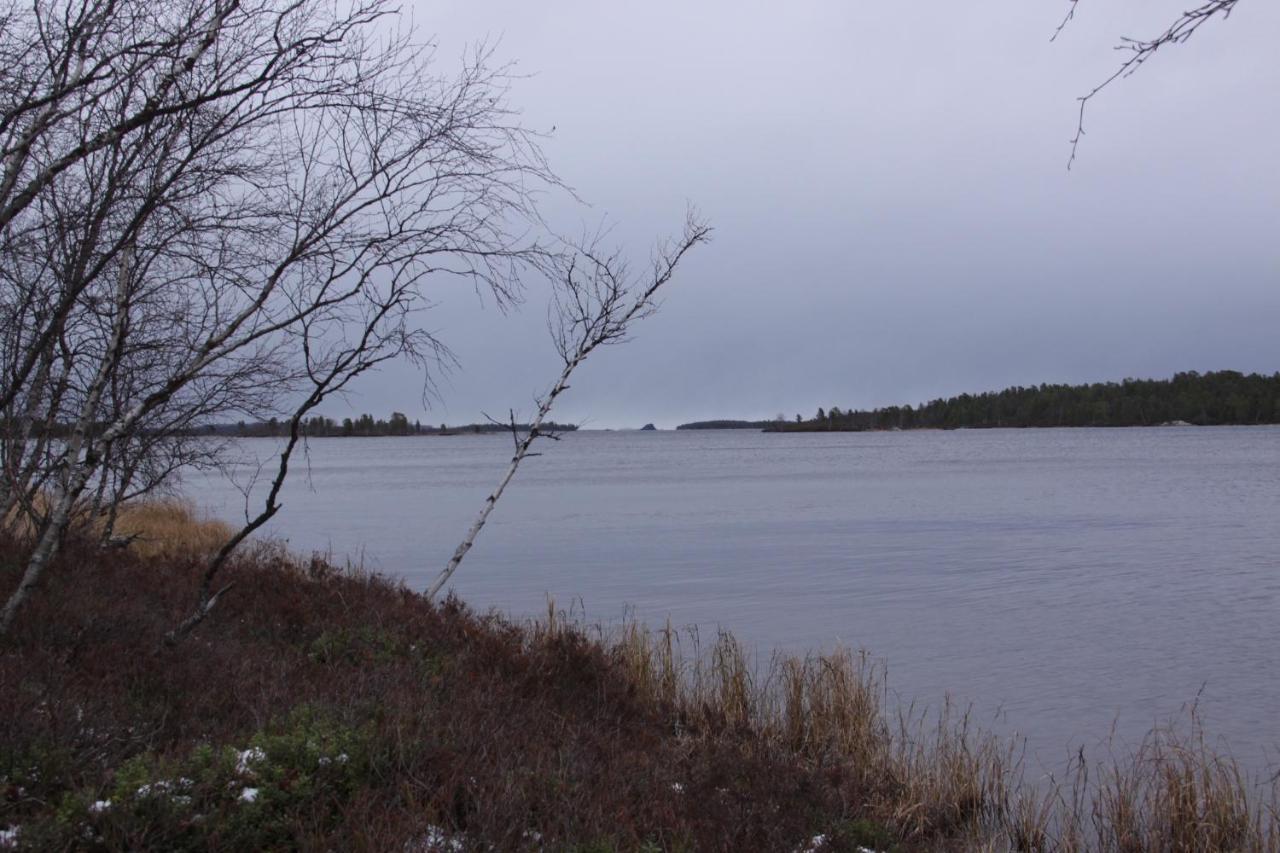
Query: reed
{"x": 1176, "y": 792}
{"x": 937, "y": 775}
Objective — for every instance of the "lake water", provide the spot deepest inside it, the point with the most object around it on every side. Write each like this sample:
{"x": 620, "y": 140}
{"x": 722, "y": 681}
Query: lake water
{"x": 1059, "y": 580}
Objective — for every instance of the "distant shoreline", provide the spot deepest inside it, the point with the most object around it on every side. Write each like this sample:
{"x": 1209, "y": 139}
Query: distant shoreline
{"x": 770, "y": 426}
{"x": 366, "y": 427}
{"x": 1222, "y": 398}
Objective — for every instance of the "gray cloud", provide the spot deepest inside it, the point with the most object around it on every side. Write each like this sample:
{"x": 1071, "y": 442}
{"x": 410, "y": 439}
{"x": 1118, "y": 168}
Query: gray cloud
{"x": 894, "y": 216}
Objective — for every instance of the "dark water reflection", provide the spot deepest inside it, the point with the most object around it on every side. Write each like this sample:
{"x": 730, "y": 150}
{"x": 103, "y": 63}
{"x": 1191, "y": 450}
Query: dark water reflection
{"x": 1065, "y": 578}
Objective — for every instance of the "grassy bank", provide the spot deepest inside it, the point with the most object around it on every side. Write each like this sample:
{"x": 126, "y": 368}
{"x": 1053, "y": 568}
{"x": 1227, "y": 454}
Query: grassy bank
{"x": 330, "y": 710}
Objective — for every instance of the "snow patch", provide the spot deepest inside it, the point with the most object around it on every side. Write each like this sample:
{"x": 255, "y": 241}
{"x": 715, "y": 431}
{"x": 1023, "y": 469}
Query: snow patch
{"x": 165, "y": 787}
{"x": 248, "y": 795}
{"x": 155, "y": 789}
{"x": 9, "y": 837}
{"x": 815, "y": 844}
{"x": 819, "y": 842}
{"x": 325, "y": 760}
{"x": 99, "y": 806}
{"x": 249, "y": 757}
{"x": 436, "y": 839}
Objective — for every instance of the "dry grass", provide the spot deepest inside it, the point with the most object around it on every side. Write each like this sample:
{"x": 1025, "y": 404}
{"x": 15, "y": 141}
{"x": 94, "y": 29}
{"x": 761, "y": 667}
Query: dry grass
{"x": 926, "y": 776}
{"x": 1176, "y": 793}
{"x": 158, "y": 528}
{"x": 170, "y": 528}
{"x": 18, "y": 523}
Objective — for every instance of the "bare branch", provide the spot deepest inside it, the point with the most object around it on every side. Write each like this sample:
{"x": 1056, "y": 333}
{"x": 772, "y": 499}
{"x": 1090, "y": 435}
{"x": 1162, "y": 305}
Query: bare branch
{"x": 1140, "y": 50}
{"x": 1066, "y": 19}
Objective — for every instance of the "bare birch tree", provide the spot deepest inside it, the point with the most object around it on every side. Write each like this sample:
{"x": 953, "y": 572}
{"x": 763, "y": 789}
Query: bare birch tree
{"x": 248, "y": 220}
{"x": 220, "y": 207}
{"x": 596, "y": 302}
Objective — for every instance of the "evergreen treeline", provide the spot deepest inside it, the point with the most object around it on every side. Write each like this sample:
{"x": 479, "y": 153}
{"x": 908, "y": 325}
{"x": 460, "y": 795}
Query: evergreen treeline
{"x": 727, "y": 425}
{"x": 365, "y": 426}
{"x": 1222, "y": 397}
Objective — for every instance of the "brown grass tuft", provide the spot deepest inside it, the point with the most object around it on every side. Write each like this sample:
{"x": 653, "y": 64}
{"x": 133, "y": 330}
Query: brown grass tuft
{"x": 158, "y": 527}
{"x": 171, "y": 528}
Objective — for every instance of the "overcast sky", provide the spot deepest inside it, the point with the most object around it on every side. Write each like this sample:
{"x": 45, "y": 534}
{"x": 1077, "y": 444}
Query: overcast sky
{"x": 894, "y": 220}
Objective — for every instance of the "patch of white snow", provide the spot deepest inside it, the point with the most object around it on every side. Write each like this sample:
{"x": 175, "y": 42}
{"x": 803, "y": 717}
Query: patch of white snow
{"x": 436, "y": 839}
{"x": 249, "y": 757}
{"x": 155, "y": 789}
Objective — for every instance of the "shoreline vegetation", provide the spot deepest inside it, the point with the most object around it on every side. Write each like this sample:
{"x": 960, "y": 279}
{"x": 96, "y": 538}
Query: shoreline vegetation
{"x": 1220, "y": 398}
{"x": 327, "y": 708}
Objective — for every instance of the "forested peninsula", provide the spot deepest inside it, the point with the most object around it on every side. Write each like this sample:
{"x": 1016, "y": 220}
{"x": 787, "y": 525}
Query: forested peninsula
{"x": 1203, "y": 399}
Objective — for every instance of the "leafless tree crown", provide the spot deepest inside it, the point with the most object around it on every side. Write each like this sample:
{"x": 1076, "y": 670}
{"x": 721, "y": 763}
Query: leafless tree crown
{"x": 222, "y": 207}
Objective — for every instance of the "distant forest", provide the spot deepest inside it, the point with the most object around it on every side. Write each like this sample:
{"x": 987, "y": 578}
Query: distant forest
{"x": 728, "y": 425}
{"x": 1204, "y": 399}
{"x": 366, "y": 426}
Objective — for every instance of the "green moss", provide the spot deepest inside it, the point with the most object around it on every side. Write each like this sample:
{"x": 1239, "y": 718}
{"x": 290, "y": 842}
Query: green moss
{"x": 863, "y": 833}
{"x": 360, "y": 645}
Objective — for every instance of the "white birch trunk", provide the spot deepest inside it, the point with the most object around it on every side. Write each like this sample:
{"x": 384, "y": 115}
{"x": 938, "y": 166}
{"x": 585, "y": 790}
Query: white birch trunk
{"x": 78, "y": 470}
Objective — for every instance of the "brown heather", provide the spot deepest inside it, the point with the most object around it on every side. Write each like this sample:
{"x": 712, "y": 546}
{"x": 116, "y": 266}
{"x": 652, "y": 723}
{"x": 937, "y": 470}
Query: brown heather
{"x": 462, "y": 731}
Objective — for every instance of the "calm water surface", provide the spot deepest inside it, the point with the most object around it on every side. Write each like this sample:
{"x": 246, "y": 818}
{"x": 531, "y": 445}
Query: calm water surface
{"x": 1060, "y": 580}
